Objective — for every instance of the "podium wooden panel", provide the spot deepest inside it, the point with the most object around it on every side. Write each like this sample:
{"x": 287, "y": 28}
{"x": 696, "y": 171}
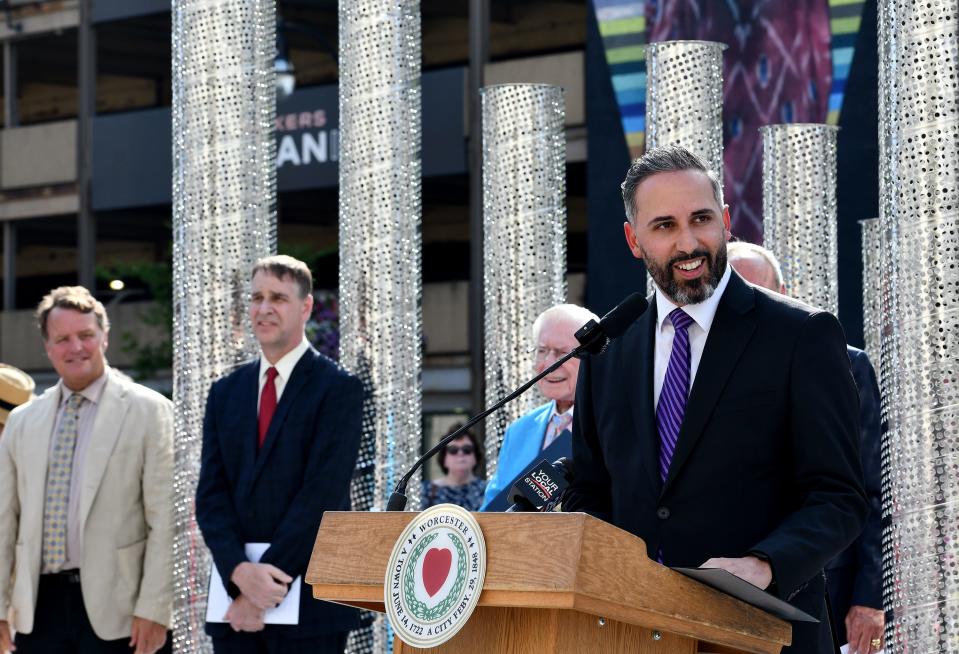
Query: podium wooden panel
{"x": 556, "y": 583}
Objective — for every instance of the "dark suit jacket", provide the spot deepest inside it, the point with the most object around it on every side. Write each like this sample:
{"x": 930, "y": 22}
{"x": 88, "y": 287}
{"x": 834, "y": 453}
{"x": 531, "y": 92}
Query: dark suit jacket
{"x": 278, "y": 495}
{"x": 766, "y": 461}
{"x": 855, "y": 576}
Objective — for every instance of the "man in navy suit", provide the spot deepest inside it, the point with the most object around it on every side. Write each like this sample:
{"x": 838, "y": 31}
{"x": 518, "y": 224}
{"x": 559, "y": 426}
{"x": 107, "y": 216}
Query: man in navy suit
{"x": 854, "y": 578}
{"x": 721, "y": 428}
{"x": 280, "y": 440}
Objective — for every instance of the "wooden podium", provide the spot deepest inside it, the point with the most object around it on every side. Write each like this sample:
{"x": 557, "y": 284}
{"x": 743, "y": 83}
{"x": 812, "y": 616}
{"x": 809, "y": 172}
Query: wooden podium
{"x": 555, "y": 583}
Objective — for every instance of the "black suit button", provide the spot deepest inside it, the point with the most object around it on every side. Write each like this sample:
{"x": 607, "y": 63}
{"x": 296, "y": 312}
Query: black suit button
{"x": 662, "y": 513}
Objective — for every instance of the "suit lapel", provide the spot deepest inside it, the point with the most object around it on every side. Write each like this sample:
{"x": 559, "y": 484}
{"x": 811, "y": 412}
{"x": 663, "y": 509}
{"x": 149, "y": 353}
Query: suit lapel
{"x": 641, "y": 348}
{"x": 103, "y": 437}
{"x": 301, "y": 373}
{"x": 35, "y": 442}
{"x": 730, "y": 332}
{"x": 533, "y": 443}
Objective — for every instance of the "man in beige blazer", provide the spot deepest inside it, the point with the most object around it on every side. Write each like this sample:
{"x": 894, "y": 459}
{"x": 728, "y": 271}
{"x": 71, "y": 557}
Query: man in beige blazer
{"x": 85, "y": 500}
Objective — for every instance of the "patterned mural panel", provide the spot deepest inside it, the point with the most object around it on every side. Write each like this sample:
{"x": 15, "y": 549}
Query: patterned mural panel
{"x": 788, "y": 61}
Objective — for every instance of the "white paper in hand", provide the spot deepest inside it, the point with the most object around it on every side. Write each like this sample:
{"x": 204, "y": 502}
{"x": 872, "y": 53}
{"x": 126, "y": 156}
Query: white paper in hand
{"x": 218, "y": 601}
{"x": 845, "y": 649}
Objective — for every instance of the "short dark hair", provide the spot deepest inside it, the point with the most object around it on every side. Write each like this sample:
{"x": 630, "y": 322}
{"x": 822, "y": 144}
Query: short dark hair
{"x": 282, "y": 266}
{"x": 477, "y": 450}
{"x": 667, "y": 159}
{"x": 76, "y": 298}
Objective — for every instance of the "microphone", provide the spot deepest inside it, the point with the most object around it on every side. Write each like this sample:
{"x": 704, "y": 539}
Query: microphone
{"x": 542, "y": 487}
{"x": 594, "y": 337}
{"x": 597, "y": 336}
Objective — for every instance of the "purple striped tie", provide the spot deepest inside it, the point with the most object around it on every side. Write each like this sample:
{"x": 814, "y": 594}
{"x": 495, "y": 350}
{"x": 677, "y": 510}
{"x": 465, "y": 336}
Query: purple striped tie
{"x": 672, "y": 398}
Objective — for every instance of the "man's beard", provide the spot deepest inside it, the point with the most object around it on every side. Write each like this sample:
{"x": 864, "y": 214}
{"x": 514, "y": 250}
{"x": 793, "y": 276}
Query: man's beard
{"x": 688, "y": 291}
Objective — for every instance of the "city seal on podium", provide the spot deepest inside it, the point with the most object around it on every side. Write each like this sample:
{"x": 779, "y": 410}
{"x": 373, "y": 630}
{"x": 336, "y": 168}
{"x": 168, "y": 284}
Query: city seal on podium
{"x": 435, "y": 576}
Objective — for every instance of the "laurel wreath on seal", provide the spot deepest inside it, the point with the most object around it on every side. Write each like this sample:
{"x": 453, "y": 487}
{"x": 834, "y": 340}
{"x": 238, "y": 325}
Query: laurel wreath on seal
{"x": 418, "y": 608}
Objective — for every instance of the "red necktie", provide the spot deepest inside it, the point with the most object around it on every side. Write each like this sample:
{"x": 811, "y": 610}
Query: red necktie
{"x": 267, "y": 406}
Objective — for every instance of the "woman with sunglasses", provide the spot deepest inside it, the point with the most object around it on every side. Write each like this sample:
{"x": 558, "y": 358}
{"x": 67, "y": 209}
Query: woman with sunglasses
{"x": 459, "y": 484}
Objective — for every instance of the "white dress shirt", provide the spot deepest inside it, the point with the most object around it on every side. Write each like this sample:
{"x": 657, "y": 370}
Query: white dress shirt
{"x": 284, "y": 368}
{"x": 702, "y": 315}
{"x": 87, "y": 415}
{"x": 552, "y": 414}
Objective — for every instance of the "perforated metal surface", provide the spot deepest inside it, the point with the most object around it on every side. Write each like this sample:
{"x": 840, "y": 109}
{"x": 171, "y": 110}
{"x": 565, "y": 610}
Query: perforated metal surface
{"x": 874, "y": 250}
{"x": 799, "y": 209}
{"x": 524, "y": 246}
{"x": 224, "y": 196}
{"x": 380, "y": 261}
{"x": 919, "y": 209}
{"x": 684, "y": 98}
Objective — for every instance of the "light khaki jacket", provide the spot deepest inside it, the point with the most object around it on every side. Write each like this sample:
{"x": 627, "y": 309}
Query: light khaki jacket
{"x": 126, "y": 509}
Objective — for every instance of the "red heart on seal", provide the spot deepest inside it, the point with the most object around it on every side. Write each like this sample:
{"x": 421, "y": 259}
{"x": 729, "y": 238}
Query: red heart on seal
{"x": 436, "y": 568}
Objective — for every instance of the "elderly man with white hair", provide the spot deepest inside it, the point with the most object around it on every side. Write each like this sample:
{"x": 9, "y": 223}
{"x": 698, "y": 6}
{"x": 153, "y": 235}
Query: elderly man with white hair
{"x": 544, "y": 432}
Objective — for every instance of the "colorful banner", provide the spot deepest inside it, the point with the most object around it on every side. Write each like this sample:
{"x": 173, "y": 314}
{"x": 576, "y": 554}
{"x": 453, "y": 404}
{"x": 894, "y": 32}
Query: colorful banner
{"x": 788, "y": 61}
{"x": 622, "y": 26}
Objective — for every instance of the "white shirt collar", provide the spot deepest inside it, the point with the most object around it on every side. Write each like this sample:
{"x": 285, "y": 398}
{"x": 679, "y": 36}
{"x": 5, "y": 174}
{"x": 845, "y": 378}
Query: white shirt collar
{"x": 701, "y": 312}
{"x": 91, "y": 393}
{"x": 284, "y": 367}
{"x": 554, "y": 412}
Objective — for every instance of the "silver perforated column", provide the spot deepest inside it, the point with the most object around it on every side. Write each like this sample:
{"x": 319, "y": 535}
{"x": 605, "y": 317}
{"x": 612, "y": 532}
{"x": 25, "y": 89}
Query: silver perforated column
{"x": 380, "y": 270}
{"x": 799, "y": 209}
{"x": 224, "y": 198}
{"x": 919, "y": 208}
{"x": 873, "y": 283}
{"x": 524, "y": 216}
{"x": 684, "y": 98}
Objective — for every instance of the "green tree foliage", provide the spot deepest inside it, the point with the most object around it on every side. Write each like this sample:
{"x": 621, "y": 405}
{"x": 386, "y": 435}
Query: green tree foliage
{"x": 150, "y": 358}
{"x": 157, "y": 277}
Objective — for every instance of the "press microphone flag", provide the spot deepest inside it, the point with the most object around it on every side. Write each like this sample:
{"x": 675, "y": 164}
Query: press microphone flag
{"x": 541, "y": 488}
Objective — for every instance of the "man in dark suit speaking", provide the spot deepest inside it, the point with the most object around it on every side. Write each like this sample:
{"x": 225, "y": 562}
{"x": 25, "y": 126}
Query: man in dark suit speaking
{"x": 722, "y": 427}
{"x": 280, "y": 440}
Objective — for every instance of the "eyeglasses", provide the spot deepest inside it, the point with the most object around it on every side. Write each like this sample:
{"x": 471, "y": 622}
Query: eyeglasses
{"x": 454, "y": 449}
{"x": 542, "y": 353}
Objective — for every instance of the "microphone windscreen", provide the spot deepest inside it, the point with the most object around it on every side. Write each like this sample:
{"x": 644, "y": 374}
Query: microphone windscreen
{"x": 623, "y": 315}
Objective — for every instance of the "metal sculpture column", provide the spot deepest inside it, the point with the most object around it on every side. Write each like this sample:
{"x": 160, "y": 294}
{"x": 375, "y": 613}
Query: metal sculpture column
{"x": 224, "y": 198}
{"x": 380, "y": 269}
{"x": 799, "y": 209}
{"x": 873, "y": 285}
{"x": 524, "y": 248}
{"x": 919, "y": 210}
{"x": 684, "y": 100}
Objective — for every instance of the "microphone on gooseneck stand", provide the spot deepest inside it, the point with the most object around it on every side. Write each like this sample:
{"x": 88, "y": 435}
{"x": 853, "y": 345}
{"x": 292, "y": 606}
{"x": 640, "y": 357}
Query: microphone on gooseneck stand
{"x": 542, "y": 487}
{"x": 593, "y": 338}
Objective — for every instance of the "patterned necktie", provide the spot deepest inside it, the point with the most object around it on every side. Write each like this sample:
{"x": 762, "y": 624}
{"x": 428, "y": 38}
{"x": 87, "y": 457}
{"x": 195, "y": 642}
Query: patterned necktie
{"x": 672, "y": 398}
{"x": 559, "y": 423}
{"x": 57, "y": 499}
{"x": 267, "y": 406}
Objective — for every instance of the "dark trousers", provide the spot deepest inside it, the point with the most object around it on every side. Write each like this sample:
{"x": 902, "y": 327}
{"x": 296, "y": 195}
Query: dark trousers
{"x": 270, "y": 642}
{"x": 60, "y": 622}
